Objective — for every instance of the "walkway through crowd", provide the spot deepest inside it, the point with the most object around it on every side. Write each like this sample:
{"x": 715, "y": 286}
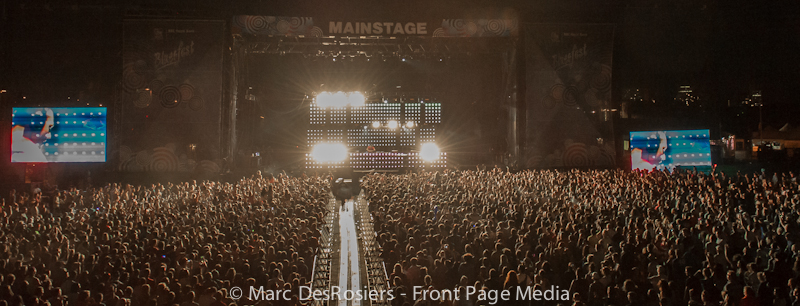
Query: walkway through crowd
{"x": 349, "y": 263}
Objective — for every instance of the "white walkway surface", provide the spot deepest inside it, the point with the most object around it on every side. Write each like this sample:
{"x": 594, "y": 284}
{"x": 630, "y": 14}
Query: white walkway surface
{"x": 349, "y": 277}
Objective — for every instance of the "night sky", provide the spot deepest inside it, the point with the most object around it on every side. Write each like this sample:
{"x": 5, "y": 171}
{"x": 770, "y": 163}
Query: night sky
{"x": 59, "y": 52}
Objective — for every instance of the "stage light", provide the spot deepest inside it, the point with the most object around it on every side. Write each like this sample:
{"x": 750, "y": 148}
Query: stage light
{"x": 376, "y": 124}
{"x": 392, "y": 124}
{"x": 356, "y": 99}
{"x": 429, "y": 152}
{"x": 410, "y": 124}
{"x": 332, "y": 99}
{"x": 329, "y": 152}
{"x": 324, "y": 99}
{"x": 340, "y": 99}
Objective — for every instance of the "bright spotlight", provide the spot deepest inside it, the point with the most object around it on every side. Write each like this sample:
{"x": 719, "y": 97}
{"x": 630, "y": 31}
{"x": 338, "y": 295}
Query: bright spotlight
{"x": 429, "y": 152}
{"x": 324, "y": 99}
{"x": 376, "y": 124}
{"x": 340, "y": 99}
{"x": 410, "y": 124}
{"x": 356, "y": 99}
{"x": 329, "y": 152}
{"x": 392, "y": 124}
{"x": 332, "y": 99}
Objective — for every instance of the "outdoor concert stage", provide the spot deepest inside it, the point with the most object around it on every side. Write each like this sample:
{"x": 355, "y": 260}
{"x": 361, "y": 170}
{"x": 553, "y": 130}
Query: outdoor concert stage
{"x": 441, "y": 84}
{"x": 213, "y": 96}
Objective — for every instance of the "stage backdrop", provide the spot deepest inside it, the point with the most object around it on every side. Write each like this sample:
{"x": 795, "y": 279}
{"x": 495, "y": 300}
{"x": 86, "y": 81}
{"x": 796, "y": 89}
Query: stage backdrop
{"x": 172, "y": 80}
{"x": 568, "y": 95}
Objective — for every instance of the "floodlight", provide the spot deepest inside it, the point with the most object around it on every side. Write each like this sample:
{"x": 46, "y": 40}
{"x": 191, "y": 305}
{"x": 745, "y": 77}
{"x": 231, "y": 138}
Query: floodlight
{"x": 376, "y": 124}
{"x": 410, "y": 124}
{"x": 392, "y": 124}
{"x": 429, "y": 152}
{"x": 356, "y": 99}
{"x": 324, "y": 99}
{"x": 332, "y": 99}
{"x": 329, "y": 152}
{"x": 340, "y": 99}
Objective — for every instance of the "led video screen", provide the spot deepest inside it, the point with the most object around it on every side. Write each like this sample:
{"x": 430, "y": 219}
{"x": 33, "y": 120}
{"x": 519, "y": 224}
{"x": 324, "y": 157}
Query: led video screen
{"x": 58, "y": 134}
{"x": 665, "y": 150}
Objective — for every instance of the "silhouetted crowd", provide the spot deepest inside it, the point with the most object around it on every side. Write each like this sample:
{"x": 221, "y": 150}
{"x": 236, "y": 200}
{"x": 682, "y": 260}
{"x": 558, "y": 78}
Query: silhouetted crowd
{"x": 610, "y": 237}
{"x": 175, "y": 244}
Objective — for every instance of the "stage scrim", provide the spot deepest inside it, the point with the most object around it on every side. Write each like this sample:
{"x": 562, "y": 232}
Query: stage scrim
{"x": 569, "y": 109}
{"x": 172, "y": 80}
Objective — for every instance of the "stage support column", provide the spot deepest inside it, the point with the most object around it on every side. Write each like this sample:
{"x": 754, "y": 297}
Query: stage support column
{"x": 522, "y": 106}
{"x": 512, "y": 100}
{"x": 236, "y": 59}
{"x": 398, "y": 143}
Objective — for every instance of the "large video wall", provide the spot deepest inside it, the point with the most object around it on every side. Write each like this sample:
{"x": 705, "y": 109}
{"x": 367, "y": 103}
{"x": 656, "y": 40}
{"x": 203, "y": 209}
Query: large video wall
{"x": 665, "y": 150}
{"x": 58, "y": 134}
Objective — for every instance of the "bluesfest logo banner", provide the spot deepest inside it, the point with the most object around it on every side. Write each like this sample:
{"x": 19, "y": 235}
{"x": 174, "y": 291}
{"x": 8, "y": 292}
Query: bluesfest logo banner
{"x": 568, "y": 95}
{"x": 172, "y": 96}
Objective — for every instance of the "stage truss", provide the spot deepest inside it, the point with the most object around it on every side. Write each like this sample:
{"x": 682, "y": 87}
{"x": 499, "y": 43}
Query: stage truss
{"x": 376, "y": 46}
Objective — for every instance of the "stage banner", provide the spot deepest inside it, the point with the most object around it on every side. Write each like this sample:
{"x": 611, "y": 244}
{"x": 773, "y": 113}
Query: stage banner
{"x": 568, "y": 95}
{"x": 501, "y": 26}
{"x": 172, "y": 81}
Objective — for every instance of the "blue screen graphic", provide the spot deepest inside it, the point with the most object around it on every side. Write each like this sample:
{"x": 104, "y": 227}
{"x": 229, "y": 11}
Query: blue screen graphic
{"x": 665, "y": 150}
{"x": 58, "y": 134}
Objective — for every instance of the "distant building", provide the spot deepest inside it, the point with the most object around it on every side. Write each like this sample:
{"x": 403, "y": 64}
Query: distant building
{"x": 631, "y": 98}
{"x": 633, "y": 95}
{"x": 754, "y": 99}
{"x": 686, "y": 96}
